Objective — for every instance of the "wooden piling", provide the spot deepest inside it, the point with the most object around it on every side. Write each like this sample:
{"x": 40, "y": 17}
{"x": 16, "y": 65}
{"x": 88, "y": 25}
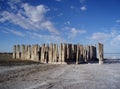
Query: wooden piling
{"x": 100, "y": 53}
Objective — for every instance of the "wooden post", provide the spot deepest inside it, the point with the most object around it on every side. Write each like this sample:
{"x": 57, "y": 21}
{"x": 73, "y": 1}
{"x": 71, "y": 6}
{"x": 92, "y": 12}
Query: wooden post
{"x": 32, "y": 52}
{"x": 27, "y": 52}
{"x": 57, "y": 53}
{"x": 23, "y": 52}
{"x": 18, "y": 52}
{"x": 14, "y": 52}
{"x": 64, "y": 54}
{"x": 78, "y": 54}
{"x": 81, "y": 54}
{"x": 100, "y": 52}
{"x": 39, "y": 53}
{"x": 60, "y": 53}
{"x": 46, "y": 53}
{"x": 88, "y": 53}
{"x": 35, "y": 52}
{"x": 42, "y": 53}
{"x": 54, "y": 52}
{"x": 51, "y": 53}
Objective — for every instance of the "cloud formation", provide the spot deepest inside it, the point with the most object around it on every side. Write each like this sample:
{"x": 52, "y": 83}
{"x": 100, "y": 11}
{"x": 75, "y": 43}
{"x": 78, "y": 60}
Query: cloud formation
{"x": 72, "y": 7}
{"x": 29, "y": 17}
{"x": 67, "y": 23}
{"x": 83, "y": 8}
{"x": 116, "y": 40}
{"x": 15, "y": 32}
{"x": 18, "y": 33}
{"x": 45, "y": 38}
{"x": 118, "y": 21}
{"x": 35, "y": 13}
{"x": 74, "y": 32}
{"x": 104, "y": 35}
{"x": 99, "y": 36}
{"x": 109, "y": 38}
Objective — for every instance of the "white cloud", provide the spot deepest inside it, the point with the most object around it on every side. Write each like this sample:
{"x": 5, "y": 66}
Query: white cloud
{"x": 12, "y": 4}
{"x": 114, "y": 33}
{"x": 18, "y": 33}
{"x": 67, "y": 23}
{"x": 116, "y": 41}
{"x": 35, "y": 14}
{"x": 48, "y": 25}
{"x": 74, "y": 32}
{"x": 118, "y": 21}
{"x": 46, "y": 38}
{"x": 66, "y": 28}
{"x": 103, "y": 36}
{"x": 72, "y": 7}
{"x": 4, "y": 31}
{"x": 15, "y": 32}
{"x": 30, "y": 17}
{"x": 83, "y": 8}
{"x": 111, "y": 38}
{"x": 99, "y": 36}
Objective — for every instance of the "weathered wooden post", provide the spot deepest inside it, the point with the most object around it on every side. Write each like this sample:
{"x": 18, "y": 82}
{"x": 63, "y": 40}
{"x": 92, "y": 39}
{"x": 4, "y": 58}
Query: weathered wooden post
{"x": 50, "y": 53}
{"x": 54, "y": 52}
{"x": 59, "y": 60}
{"x": 100, "y": 53}
{"x": 60, "y": 53}
{"x": 69, "y": 52}
{"x": 64, "y": 50}
{"x": 35, "y": 52}
{"x": 95, "y": 53}
{"x": 18, "y": 52}
{"x": 43, "y": 53}
{"x": 46, "y": 53}
{"x": 78, "y": 54}
{"x": 84, "y": 54}
{"x": 88, "y": 53}
{"x": 14, "y": 52}
{"x": 74, "y": 52}
{"x": 91, "y": 53}
{"x": 32, "y": 52}
{"x": 28, "y": 54}
{"x": 63, "y": 53}
{"x": 39, "y": 53}
{"x": 57, "y": 53}
{"x": 23, "y": 52}
{"x": 81, "y": 54}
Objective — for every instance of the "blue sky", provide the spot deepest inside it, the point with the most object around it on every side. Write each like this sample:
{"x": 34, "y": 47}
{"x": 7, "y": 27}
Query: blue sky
{"x": 56, "y": 21}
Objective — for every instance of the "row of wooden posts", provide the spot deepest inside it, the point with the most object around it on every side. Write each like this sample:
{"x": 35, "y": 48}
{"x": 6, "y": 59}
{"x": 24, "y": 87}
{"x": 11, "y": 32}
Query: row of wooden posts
{"x": 61, "y": 54}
